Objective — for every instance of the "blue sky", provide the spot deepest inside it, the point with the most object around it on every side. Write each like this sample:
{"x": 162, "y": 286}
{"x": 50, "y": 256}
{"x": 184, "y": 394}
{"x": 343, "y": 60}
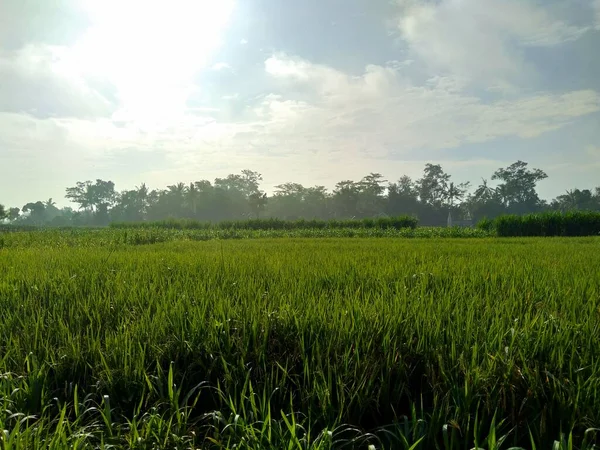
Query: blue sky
{"x": 312, "y": 92}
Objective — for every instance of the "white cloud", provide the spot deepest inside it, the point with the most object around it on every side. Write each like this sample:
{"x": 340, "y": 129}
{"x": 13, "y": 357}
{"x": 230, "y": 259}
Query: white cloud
{"x": 54, "y": 23}
{"x": 382, "y": 112}
{"x": 372, "y": 120}
{"x": 34, "y": 81}
{"x": 220, "y": 66}
{"x": 480, "y": 39}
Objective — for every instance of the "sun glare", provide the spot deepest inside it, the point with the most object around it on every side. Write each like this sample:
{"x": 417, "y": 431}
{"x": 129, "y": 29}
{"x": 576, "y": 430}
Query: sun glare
{"x": 151, "y": 51}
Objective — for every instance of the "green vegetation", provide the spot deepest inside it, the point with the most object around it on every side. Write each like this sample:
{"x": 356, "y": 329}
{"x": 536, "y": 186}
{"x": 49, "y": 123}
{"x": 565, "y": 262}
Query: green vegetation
{"x": 116, "y": 237}
{"x": 297, "y": 343}
{"x": 573, "y": 223}
{"x": 431, "y": 198}
{"x": 276, "y": 224}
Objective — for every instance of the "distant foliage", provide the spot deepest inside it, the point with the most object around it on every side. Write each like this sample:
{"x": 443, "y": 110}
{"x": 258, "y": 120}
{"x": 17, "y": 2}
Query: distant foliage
{"x": 277, "y": 224}
{"x": 574, "y": 223}
{"x": 485, "y": 224}
{"x": 117, "y": 237}
{"x": 239, "y": 197}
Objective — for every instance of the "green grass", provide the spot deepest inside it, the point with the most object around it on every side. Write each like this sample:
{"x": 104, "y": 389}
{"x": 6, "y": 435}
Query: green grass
{"x": 298, "y": 343}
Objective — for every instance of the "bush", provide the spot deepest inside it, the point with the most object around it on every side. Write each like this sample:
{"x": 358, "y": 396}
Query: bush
{"x": 485, "y": 224}
{"x": 574, "y": 223}
{"x": 276, "y": 224}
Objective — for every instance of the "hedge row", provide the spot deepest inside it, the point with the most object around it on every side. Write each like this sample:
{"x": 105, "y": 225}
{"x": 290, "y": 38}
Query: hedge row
{"x": 276, "y": 224}
{"x": 575, "y": 223}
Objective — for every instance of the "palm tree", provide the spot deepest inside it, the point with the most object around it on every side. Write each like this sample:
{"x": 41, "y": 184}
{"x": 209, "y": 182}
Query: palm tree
{"x": 177, "y": 189}
{"x": 191, "y": 198}
{"x": 485, "y": 192}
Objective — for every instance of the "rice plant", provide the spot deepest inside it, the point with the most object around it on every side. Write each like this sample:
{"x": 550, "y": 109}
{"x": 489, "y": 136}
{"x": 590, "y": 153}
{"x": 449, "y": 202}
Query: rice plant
{"x": 336, "y": 342}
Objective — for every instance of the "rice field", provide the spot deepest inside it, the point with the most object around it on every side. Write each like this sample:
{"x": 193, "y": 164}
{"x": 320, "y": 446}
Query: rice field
{"x": 114, "y": 341}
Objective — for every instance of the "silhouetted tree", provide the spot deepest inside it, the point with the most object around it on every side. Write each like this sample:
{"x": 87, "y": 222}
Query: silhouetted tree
{"x": 13, "y": 214}
{"x": 96, "y": 197}
{"x": 433, "y": 186}
{"x": 371, "y": 190}
{"x": 576, "y": 199}
{"x": 239, "y": 196}
{"x": 517, "y": 188}
{"x": 345, "y": 199}
{"x": 36, "y": 212}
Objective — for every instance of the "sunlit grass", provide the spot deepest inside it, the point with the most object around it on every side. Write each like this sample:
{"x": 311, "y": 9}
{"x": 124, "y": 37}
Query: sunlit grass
{"x": 297, "y": 343}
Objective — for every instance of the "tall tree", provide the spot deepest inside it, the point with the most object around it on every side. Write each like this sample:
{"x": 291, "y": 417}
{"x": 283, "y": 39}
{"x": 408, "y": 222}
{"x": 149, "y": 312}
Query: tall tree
{"x": 455, "y": 193}
{"x": 517, "y": 188}
{"x": 345, "y": 198}
{"x": 317, "y": 203}
{"x": 13, "y": 214}
{"x": 96, "y": 196}
{"x": 403, "y": 197}
{"x": 131, "y": 205}
{"x": 36, "y": 211}
{"x": 484, "y": 191}
{"x": 433, "y": 186}
{"x": 288, "y": 201}
{"x": 81, "y": 194}
{"x": 575, "y": 199}
{"x": 240, "y": 195}
{"x": 257, "y": 202}
{"x": 484, "y": 202}
{"x": 371, "y": 190}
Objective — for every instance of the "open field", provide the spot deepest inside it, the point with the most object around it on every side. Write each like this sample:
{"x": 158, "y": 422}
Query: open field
{"x": 297, "y": 343}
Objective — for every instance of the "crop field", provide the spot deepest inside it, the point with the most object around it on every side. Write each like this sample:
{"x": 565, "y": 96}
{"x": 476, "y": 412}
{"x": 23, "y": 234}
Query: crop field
{"x": 183, "y": 339}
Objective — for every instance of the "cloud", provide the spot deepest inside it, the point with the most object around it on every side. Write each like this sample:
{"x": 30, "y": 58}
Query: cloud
{"x": 34, "y": 80}
{"x": 483, "y": 40}
{"x": 57, "y": 22}
{"x": 593, "y": 151}
{"x": 371, "y": 118}
{"x": 380, "y": 111}
{"x": 220, "y": 66}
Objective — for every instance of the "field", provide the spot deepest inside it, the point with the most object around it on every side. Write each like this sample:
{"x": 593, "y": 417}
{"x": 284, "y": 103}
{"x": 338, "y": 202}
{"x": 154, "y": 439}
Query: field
{"x": 173, "y": 339}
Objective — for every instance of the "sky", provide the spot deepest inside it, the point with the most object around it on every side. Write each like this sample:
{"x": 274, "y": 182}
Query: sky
{"x": 312, "y": 91}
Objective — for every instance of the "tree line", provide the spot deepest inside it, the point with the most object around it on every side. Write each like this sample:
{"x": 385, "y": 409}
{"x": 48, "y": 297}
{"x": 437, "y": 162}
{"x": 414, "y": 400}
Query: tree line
{"x": 430, "y": 198}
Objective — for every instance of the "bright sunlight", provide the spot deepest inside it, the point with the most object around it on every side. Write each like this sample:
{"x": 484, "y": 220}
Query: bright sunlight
{"x": 151, "y": 50}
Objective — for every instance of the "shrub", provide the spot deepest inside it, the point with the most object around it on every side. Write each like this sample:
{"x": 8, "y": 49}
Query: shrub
{"x": 574, "y": 223}
{"x": 485, "y": 224}
{"x": 275, "y": 224}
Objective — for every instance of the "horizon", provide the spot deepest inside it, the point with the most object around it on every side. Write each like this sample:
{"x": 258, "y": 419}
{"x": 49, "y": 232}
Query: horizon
{"x": 63, "y": 201}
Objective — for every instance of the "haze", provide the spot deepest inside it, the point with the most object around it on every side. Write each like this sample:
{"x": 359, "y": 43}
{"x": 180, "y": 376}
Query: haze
{"x": 310, "y": 91}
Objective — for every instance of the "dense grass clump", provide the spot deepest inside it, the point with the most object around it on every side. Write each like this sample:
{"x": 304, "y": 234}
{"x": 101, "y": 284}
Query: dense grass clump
{"x": 299, "y": 343}
{"x": 574, "y": 223}
{"x": 277, "y": 224}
